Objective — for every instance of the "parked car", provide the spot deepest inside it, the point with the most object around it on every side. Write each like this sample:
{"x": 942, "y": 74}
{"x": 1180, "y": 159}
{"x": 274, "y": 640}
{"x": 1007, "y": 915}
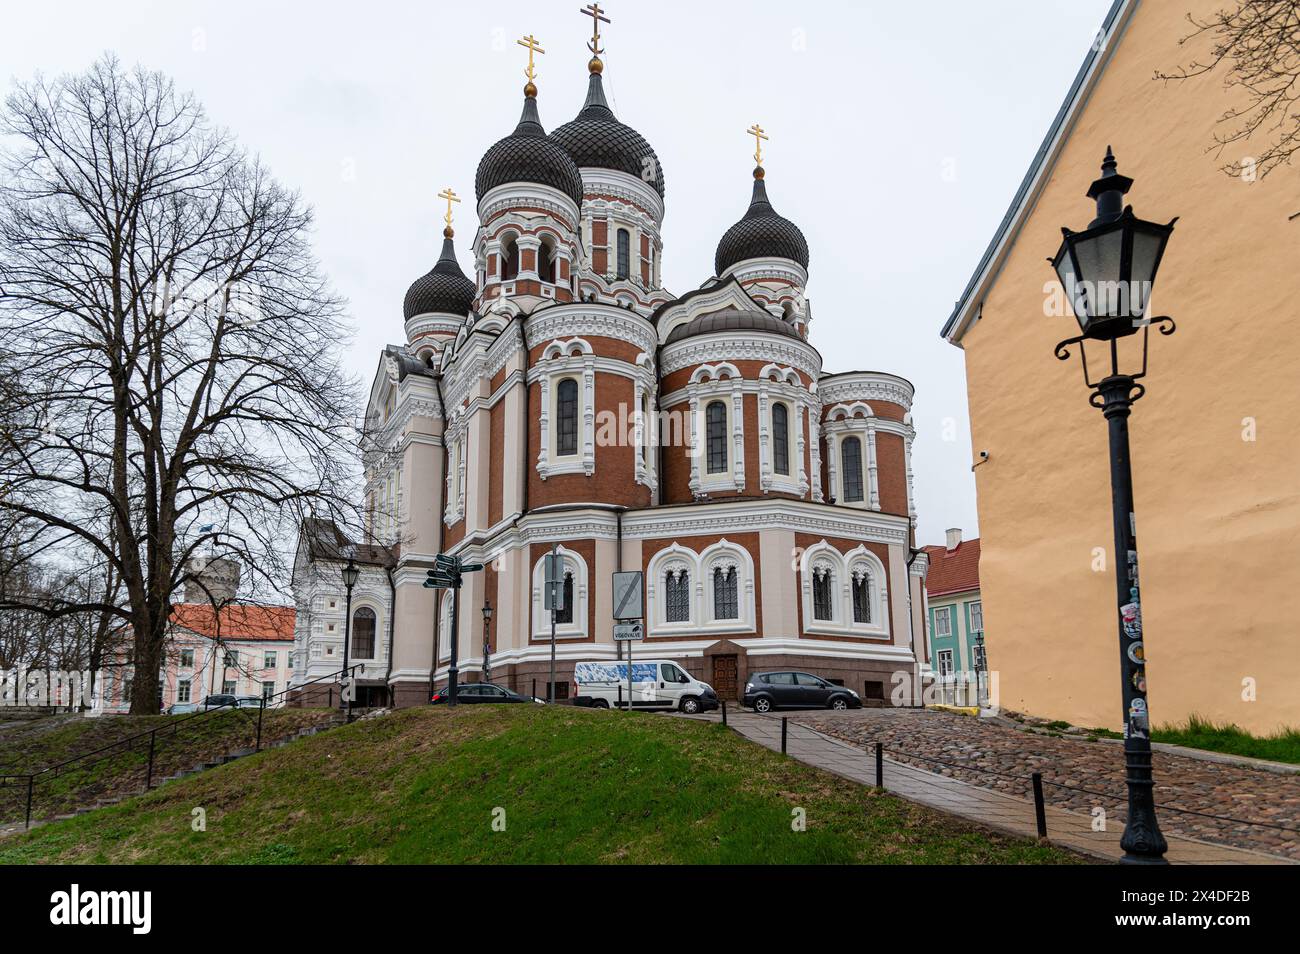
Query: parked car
{"x": 656, "y": 684}
{"x": 473, "y": 693}
{"x": 218, "y": 702}
{"x": 182, "y": 708}
{"x": 765, "y": 691}
{"x": 248, "y": 702}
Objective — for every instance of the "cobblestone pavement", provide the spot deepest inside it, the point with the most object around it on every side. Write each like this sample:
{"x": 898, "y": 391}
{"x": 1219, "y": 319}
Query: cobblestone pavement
{"x": 974, "y": 748}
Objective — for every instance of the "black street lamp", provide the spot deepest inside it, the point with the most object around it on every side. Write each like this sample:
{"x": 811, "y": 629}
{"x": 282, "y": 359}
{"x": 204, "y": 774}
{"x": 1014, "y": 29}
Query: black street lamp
{"x": 981, "y": 664}
{"x": 487, "y": 646}
{"x": 1108, "y": 271}
{"x": 350, "y": 576}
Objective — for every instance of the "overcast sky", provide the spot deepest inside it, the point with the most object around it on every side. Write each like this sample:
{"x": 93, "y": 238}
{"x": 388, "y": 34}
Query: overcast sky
{"x": 899, "y": 132}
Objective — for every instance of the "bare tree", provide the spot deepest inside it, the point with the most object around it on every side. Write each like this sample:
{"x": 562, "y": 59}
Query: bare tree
{"x": 1257, "y": 44}
{"x": 177, "y": 347}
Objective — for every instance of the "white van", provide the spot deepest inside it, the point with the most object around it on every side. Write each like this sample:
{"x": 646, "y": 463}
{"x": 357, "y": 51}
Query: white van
{"x": 656, "y": 684}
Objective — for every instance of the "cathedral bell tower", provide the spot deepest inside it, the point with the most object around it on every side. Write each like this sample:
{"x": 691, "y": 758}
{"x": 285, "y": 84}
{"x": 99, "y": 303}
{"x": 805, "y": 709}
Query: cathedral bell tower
{"x": 529, "y": 199}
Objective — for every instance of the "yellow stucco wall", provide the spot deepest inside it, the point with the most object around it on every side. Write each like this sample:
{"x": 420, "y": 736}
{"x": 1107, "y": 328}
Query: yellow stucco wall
{"x": 1218, "y": 518}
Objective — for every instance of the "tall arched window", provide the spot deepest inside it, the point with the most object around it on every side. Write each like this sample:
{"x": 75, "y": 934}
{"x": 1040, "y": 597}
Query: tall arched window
{"x": 781, "y": 439}
{"x": 823, "y": 594}
{"x": 715, "y": 416}
{"x": 677, "y": 596}
{"x": 546, "y": 261}
{"x": 566, "y": 418}
{"x": 861, "y": 596}
{"x": 509, "y": 259}
{"x": 363, "y": 633}
{"x": 726, "y": 601}
{"x": 624, "y": 253}
{"x": 851, "y": 459}
{"x": 566, "y": 615}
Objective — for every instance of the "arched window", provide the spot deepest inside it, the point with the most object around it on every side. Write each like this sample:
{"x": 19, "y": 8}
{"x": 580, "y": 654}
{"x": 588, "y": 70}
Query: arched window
{"x": 566, "y": 615}
{"x": 726, "y": 601}
{"x": 509, "y": 259}
{"x": 823, "y": 593}
{"x": 851, "y": 458}
{"x": 546, "y": 262}
{"x": 624, "y": 253}
{"x": 716, "y": 422}
{"x": 566, "y": 418}
{"x": 363, "y": 633}
{"x": 781, "y": 439}
{"x": 861, "y": 596}
{"x": 677, "y": 596}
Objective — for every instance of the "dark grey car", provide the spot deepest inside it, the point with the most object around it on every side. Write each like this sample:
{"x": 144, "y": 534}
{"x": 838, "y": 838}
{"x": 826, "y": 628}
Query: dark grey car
{"x": 791, "y": 689}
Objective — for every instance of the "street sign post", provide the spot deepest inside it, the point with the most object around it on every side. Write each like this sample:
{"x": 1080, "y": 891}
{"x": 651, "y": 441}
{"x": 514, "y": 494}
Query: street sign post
{"x": 447, "y": 575}
{"x": 554, "y": 597}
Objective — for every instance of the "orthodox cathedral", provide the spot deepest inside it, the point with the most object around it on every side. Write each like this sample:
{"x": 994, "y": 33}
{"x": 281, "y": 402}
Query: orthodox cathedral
{"x": 560, "y": 396}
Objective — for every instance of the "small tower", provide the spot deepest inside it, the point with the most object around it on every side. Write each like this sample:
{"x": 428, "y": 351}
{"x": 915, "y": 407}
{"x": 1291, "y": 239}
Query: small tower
{"x": 529, "y": 195}
{"x": 767, "y": 253}
{"x": 438, "y": 302}
{"x": 623, "y": 186}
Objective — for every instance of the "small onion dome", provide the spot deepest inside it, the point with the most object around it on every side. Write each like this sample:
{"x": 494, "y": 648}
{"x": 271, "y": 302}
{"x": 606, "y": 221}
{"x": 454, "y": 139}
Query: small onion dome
{"x": 595, "y": 139}
{"x": 731, "y": 320}
{"x": 444, "y": 289}
{"x": 761, "y": 234}
{"x": 526, "y": 155}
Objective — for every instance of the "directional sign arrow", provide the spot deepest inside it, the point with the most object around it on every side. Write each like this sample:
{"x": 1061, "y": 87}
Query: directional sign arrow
{"x": 470, "y": 567}
{"x": 444, "y": 562}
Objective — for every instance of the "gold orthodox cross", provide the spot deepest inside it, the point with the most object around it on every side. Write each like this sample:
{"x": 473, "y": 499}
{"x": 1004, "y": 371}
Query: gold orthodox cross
{"x": 530, "y": 42}
{"x": 757, "y": 132}
{"x": 598, "y": 17}
{"x": 450, "y": 195}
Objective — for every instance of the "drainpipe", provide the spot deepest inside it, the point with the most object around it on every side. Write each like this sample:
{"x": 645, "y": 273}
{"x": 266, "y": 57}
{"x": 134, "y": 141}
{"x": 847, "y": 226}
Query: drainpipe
{"x": 911, "y": 626}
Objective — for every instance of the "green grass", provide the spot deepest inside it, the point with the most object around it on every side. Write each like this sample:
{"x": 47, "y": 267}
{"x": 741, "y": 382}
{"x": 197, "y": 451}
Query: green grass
{"x": 1199, "y": 733}
{"x": 181, "y": 743}
{"x": 572, "y": 786}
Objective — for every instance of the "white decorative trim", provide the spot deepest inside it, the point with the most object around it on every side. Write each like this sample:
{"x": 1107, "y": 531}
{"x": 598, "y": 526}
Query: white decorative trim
{"x": 758, "y": 346}
{"x": 866, "y": 386}
{"x": 576, "y": 566}
{"x": 590, "y": 318}
{"x": 699, "y": 568}
{"x": 822, "y": 559}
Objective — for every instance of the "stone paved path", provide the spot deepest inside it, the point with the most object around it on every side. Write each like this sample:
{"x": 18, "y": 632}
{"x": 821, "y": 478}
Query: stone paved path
{"x": 975, "y": 748}
{"x": 992, "y": 808}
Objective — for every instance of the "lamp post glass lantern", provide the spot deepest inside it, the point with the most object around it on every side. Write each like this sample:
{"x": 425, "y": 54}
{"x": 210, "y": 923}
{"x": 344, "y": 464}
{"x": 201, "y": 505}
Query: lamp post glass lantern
{"x": 351, "y": 573}
{"x": 487, "y": 646}
{"x": 1108, "y": 271}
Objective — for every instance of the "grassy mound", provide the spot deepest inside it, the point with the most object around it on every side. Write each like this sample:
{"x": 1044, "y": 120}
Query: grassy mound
{"x": 181, "y": 742}
{"x": 520, "y": 784}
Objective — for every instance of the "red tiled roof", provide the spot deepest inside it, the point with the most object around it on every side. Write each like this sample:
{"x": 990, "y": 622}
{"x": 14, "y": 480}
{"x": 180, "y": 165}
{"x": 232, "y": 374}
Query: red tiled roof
{"x": 237, "y": 621}
{"x": 953, "y": 571}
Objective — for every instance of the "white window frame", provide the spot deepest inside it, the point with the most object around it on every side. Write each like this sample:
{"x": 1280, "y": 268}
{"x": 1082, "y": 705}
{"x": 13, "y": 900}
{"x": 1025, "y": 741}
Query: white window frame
{"x": 842, "y": 567}
{"x": 270, "y": 659}
{"x": 942, "y": 612}
{"x": 541, "y": 629}
{"x": 183, "y": 687}
{"x": 710, "y": 382}
{"x": 852, "y": 420}
{"x": 782, "y": 385}
{"x": 939, "y": 657}
{"x": 975, "y": 608}
{"x": 567, "y": 359}
{"x": 700, "y": 566}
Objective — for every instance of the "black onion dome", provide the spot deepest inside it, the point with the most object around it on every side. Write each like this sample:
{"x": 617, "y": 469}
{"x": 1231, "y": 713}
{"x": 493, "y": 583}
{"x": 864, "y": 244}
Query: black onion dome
{"x": 761, "y": 234}
{"x": 443, "y": 289}
{"x": 526, "y": 155}
{"x": 731, "y": 320}
{"x": 596, "y": 139}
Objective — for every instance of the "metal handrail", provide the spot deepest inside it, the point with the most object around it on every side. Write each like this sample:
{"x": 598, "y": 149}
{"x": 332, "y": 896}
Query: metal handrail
{"x": 172, "y": 726}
